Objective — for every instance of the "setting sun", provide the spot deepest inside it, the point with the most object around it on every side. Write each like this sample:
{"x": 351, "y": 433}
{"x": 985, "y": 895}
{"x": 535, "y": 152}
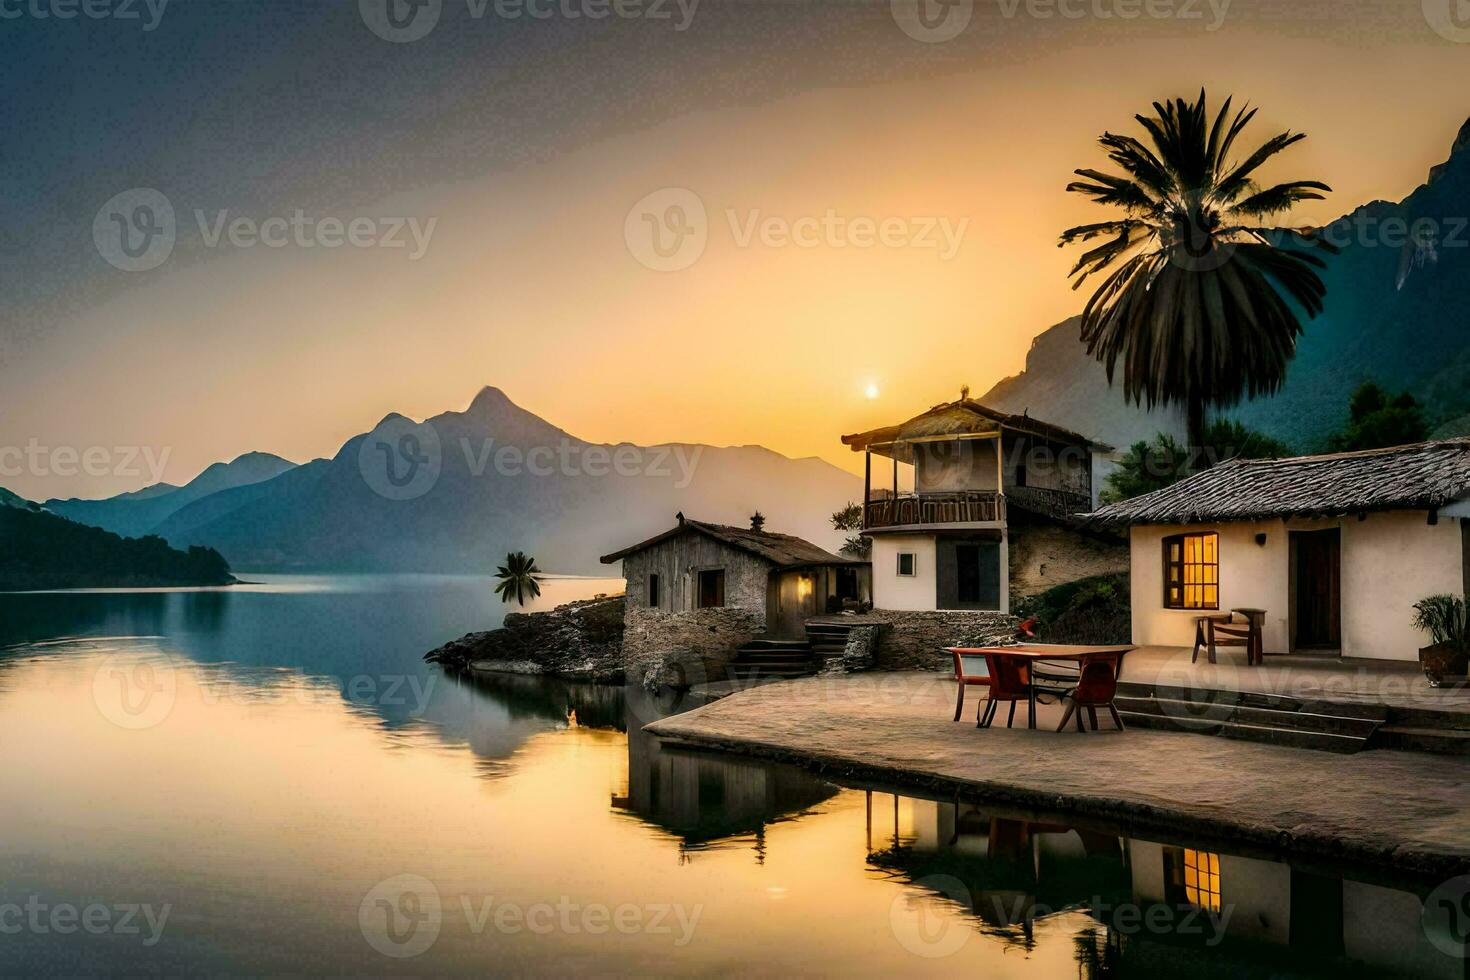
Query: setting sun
{"x": 871, "y": 391}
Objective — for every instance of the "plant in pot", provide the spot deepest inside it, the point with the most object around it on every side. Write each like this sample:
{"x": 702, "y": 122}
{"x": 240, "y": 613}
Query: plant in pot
{"x": 1448, "y": 658}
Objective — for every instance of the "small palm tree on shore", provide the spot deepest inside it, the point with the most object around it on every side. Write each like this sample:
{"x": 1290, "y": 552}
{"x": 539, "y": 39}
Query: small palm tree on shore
{"x": 1198, "y": 300}
{"x": 518, "y": 578}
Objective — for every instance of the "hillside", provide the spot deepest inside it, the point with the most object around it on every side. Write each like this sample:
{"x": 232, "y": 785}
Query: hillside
{"x": 1396, "y": 313}
{"x": 497, "y": 478}
{"x": 140, "y": 512}
{"x": 43, "y": 551}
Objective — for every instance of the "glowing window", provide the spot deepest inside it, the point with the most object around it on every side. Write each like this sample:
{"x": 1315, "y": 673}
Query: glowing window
{"x": 1192, "y": 571}
{"x": 1193, "y": 877}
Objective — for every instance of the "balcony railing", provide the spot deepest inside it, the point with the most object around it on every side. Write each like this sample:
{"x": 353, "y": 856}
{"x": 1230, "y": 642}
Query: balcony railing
{"x": 959, "y": 507}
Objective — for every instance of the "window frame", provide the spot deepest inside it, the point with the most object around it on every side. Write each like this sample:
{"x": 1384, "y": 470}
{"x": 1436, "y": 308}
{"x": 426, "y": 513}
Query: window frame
{"x": 699, "y": 602}
{"x": 1176, "y": 571}
{"x": 655, "y": 590}
{"x": 913, "y": 558}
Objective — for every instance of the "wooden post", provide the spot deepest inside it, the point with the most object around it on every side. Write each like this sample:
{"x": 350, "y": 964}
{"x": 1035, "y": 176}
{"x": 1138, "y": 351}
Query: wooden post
{"x": 895, "y": 486}
{"x": 867, "y": 485}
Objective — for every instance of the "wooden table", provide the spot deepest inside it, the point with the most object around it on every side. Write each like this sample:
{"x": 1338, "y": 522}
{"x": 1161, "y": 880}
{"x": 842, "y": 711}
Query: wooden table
{"x": 1031, "y": 653}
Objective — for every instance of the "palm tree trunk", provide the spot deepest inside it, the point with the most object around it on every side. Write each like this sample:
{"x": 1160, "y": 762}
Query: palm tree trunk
{"x": 1195, "y": 430}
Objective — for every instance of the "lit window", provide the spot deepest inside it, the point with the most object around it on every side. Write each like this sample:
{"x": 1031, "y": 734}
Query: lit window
{"x": 1193, "y": 877}
{"x": 906, "y": 564}
{"x": 1192, "y": 571}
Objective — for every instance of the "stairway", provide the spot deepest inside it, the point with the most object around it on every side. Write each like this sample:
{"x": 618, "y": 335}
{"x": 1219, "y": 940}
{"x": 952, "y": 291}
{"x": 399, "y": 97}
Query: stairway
{"x": 773, "y": 658}
{"x": 1330, "y": 727}
{"x": 827, "y": 639}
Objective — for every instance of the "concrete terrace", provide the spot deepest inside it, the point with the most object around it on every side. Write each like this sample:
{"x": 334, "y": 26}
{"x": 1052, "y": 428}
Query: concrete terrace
{"x": 1399, "y": 812}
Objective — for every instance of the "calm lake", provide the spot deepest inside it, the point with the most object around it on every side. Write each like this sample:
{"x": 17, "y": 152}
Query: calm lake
{"x": 268, "y": 779}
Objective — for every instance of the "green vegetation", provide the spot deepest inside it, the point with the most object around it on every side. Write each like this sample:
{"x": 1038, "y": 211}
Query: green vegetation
{"x": 518, "y": 578}
{"x": 1376, "y": 420}
{"x": 1090, "y": 610}
{"x": 39, "y": 550}
{"x": 1147, "y": 467}
{"x": 850, "y": 518}
{"x": 1443, "y": 618}
{"x": 1200, "y": 297}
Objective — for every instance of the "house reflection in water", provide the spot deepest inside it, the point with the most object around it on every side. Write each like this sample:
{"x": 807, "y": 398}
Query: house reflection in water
{"x": 1158, "y": 907}
{"x": 706, "y": 798}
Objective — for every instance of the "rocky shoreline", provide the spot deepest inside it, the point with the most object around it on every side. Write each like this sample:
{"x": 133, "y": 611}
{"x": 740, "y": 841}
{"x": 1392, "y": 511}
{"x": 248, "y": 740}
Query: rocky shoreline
{"x": 578, "y": 641}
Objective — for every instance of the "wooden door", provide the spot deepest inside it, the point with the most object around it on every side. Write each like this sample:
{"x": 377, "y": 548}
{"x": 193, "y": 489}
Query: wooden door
{"x": 1319, "y": 589}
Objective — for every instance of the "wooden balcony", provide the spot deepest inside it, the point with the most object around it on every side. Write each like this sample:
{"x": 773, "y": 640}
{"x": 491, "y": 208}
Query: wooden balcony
{"x": 960, "y": 507}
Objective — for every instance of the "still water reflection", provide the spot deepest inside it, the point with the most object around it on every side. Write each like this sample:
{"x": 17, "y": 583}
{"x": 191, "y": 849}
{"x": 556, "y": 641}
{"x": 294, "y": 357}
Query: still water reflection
{"x": 269, "y": 779}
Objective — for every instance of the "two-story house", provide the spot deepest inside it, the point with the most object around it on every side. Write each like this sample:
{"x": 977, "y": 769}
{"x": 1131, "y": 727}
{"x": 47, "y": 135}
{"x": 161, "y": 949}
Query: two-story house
{"x": 992, "y": 510}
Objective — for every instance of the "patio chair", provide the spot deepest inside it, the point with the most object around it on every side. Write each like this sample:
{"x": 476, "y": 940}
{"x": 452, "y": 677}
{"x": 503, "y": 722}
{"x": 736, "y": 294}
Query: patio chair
{"x": 1009, "y": 681}
{"x": 1209, "y": 631}
{"x": 1096, "y": 688}
{"x": 969, "y": 671}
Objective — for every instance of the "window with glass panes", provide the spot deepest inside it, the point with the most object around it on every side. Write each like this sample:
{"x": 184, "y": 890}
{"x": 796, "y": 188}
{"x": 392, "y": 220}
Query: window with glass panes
{"x": 1192, "y": 571}
{"x": 1192, "y": 877}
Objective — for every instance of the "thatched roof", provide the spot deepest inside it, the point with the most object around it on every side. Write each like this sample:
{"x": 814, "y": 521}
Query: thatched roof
{"x": 958, "y": 418}
{"x": 782, "y": 550}
{"x": 1423, "y": 476}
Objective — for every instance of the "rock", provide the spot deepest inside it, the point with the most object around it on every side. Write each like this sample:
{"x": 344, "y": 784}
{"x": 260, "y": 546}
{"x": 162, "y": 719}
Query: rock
{"x": 577, "y": 641}
{"x": 861, "y": 652}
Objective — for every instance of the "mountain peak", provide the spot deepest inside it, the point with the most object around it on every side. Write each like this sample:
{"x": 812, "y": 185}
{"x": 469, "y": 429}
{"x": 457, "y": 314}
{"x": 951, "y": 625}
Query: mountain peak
{"x": 489, "y": 401}
{"x": 1459, "y": 155}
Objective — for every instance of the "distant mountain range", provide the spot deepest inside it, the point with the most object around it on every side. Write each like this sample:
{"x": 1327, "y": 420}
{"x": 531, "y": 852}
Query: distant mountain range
{"x": 459, "y": 490}
{"x": 142, "y": 511}
{"x": 1397, "y": 312}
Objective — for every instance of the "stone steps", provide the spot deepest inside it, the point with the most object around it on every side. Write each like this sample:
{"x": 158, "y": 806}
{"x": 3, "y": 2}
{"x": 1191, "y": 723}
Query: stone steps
{"x": 1253, "y": 717}
{"x": 773, "y": 658}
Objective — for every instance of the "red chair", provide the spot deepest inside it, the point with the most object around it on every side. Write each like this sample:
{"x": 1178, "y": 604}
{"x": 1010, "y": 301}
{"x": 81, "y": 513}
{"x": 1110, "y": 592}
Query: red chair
{"x": 970, "y": 670}
{"x": 1097, "y": 685}
{"x": 1010, "y": 680}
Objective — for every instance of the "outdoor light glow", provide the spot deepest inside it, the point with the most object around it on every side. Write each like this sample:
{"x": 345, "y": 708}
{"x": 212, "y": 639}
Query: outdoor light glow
{"x": 871, "y": 391}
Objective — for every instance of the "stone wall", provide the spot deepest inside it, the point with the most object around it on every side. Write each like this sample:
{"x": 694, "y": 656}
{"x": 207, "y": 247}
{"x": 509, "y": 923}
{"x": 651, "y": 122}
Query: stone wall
{"x": 1045, "y": 555}
{"x": 685, "y": 647}
{"x": 916, "y": 640}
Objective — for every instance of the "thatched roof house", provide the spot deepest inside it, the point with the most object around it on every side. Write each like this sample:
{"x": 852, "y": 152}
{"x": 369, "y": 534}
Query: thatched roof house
{"x": 1424, "y": 476}
{"x": 1336, "y": 548}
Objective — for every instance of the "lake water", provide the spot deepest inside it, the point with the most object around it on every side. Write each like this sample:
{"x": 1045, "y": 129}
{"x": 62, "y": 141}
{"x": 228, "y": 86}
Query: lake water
{"x": 268, "y": 779}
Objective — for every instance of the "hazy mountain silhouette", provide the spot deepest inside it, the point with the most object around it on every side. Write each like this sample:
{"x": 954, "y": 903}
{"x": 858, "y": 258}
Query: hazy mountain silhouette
{"x": 142, "y": 511}
{"x": 42, "y": 551}
{"x": 1397, "y": 312}
{"x": 8, "y": 499}
{"x": 482, "y": 493}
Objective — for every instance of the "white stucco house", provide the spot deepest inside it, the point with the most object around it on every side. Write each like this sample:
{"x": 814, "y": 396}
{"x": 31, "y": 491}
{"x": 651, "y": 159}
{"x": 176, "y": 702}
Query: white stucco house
{"x": 1336, "y": 548}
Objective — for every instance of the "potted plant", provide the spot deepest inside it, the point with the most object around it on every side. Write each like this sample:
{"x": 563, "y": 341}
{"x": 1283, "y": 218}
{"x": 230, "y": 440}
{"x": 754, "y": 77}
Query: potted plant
{"x": 1448, "y": 658}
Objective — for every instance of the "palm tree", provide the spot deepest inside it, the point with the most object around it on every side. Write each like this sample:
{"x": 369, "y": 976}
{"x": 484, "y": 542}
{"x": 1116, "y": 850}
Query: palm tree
{"x": 518, "y": 578}
{"x": 1198, "y": 299}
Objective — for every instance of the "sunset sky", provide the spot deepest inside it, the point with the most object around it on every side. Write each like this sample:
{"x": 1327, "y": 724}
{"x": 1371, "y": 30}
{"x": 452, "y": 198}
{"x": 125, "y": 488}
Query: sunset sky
{"x": 524, "y": 144}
